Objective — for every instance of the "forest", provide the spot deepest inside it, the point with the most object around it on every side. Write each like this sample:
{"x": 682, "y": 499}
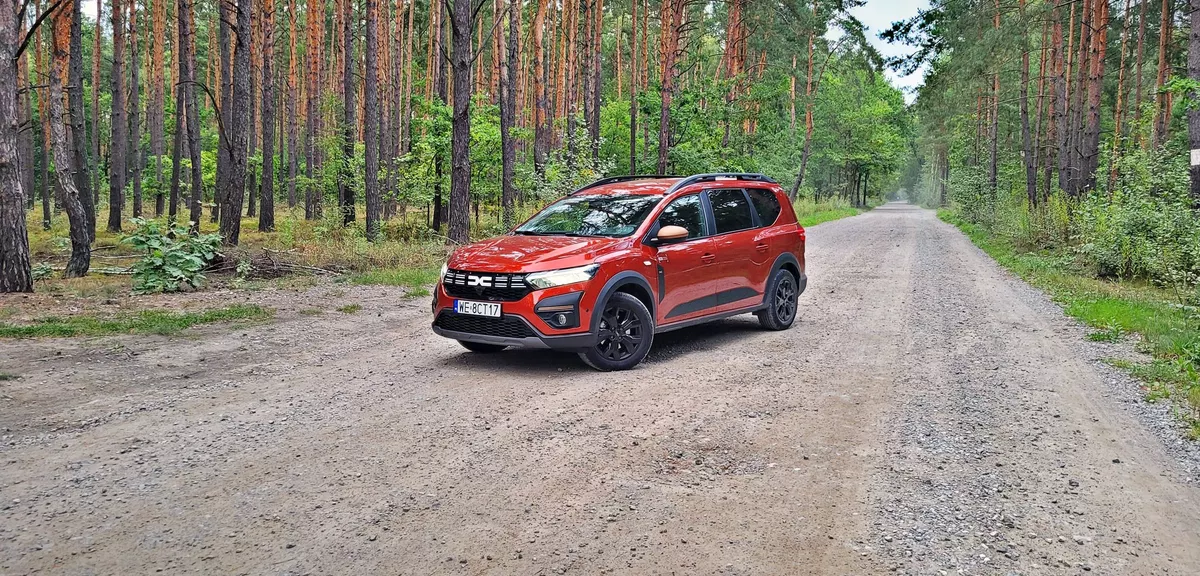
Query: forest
{"x": 1064, "y": 125}
{"x": 407, "y": 120}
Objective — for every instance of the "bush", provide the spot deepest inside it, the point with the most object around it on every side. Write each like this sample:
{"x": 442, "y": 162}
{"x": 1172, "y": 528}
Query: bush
{"x": 173, "y": 260}
{"x": 1144, "y": 227}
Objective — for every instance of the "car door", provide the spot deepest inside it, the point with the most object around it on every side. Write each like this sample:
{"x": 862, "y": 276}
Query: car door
{"x": 735, "y": 228}
{"x": 687, "y": 270}
{"x": 770, "y": 239}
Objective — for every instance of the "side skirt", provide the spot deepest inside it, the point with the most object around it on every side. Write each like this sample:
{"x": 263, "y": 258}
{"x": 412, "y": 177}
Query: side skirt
{"x": 706, "y": 319}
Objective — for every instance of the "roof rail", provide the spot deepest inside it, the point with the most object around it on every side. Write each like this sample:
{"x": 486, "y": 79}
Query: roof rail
{"x": 717, "y": 176}
{"x": 616, "y": 179}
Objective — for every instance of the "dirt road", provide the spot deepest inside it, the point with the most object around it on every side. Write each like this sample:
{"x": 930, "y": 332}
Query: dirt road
{"x": 928, "y": 413}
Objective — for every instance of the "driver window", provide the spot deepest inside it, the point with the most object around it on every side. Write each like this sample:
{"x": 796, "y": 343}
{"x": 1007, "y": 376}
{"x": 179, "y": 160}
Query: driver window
{"x": 686, "y": 212}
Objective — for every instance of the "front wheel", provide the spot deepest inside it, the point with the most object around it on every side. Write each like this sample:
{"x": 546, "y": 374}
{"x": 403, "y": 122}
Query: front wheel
{"x": 782, "y": 294}
{"x": 624, "y": 335}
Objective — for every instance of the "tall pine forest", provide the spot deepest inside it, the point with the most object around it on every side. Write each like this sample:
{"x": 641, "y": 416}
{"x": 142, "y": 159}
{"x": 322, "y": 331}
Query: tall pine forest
{"x": 1057, "y": 125}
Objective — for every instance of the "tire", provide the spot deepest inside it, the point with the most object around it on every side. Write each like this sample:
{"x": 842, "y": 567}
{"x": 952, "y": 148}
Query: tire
{"x": 621, "y": 349}
{"x": 481, "y": 348}
{"x": 782, "y": 296}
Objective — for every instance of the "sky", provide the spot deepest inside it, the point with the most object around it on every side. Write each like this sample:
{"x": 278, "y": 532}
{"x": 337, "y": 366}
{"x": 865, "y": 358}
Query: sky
{"x": 877, "y": 15}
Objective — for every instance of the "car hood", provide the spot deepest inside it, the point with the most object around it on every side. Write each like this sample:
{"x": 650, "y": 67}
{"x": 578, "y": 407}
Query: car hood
{"x": 513, "y": 253}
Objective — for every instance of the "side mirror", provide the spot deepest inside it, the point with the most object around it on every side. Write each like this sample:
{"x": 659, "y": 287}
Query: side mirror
{"x": 670, "y": 234}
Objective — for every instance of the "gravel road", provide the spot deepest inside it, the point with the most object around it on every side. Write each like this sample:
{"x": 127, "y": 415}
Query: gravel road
{"x": 928, "y": 414}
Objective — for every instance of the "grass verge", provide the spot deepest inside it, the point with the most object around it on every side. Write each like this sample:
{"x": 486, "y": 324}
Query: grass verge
{"x": 1166, "y": 330}
{"x": 810, "y": 213}
{"x": 145, "y": 322}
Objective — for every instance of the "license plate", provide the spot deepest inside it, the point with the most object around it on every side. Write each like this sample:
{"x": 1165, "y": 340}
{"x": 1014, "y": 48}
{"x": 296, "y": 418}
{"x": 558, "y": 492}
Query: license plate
{"x": 489, "y": 309}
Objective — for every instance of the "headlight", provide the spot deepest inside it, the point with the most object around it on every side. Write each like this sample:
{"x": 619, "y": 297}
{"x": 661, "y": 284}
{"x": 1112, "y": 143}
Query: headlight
{"x": 552, "y": 278}
{"x": 442, "y": 274}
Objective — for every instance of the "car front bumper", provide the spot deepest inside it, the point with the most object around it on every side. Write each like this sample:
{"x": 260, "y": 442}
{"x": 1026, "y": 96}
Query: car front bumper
{"x": 523, "y": 323}
{"x": 572, "y": 342}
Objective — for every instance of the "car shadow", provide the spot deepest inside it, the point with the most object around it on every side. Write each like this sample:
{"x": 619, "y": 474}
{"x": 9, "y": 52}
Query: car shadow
{"x": 667, "y": 347}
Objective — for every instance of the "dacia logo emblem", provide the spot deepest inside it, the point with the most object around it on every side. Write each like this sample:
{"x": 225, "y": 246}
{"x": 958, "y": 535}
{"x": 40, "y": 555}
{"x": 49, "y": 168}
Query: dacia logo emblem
{"x": 482, "y": 281}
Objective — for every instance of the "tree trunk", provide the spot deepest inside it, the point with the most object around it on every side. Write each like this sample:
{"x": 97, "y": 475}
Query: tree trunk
{"x": 25, "y": 155}
{"x": 371, "y": 118}
{"x": 1193, "y": 114}
{"x": 239, "y": 131}
{"x": 292, "y": 98}
{"x": 16, "y": 275}
{"x": 43, "y": 71}
{"x": 442, "y": 94}
{"x": 225, "y": 97}
{"x": 83, "y": 167}
{"x": 633, "y": 90}
{"x": 135, "y": 128}
{"x": 1090, "y": 153}
{"x": 541, "y": 75}
{"x": 345, "y": 188}
{"x": 1027, "y": 151}
{"x": 508, "y": 111}
{"x": 313, "y": 22}
{"x": 1059, "y": 89}
{"x": 64, "y": 159}
{"x": 597, "y": 78}
{"x": 156, "y": 111}
{"x": 1138, "y": 78}
{"x": 994, "y": 129}
{"x": 810, "y": 95}
{"x": 120, "y": 125}
{"x": 672, "y": 18}
{"x": 460, "y": 147}
{"x": 252, "y": 185}
{"x": 187, "y": 78}
{"x": 97, "y": 42}
{"x": 266, "y": 212}
{"x": 1162, "y": 119}
{"x": 1119, "y": 108}
{"x": 177, "y": 147}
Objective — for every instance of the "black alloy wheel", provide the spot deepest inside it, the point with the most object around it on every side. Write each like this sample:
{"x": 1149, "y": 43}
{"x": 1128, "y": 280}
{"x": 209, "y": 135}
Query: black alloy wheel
{"x": 624, "y": 335}
{"x": 782, "y": 295}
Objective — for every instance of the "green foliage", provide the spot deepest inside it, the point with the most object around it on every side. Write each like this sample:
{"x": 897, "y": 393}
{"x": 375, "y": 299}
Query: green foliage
{"x": 162, "y": 322}
{"x": 417, "y": 280}
{"x": 43, "y": 271}
{"x": 349, "y": 308}
{"x": 172, "y": 259}
{"x": 810, "y": 212}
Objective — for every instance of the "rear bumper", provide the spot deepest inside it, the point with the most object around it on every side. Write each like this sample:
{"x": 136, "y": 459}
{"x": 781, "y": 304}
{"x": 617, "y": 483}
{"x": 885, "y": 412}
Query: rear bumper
{"x": 803, "y": 284}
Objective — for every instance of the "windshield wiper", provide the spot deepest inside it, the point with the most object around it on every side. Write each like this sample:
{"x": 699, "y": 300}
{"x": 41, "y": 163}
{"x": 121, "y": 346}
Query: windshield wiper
{"x": 569, "y": 234}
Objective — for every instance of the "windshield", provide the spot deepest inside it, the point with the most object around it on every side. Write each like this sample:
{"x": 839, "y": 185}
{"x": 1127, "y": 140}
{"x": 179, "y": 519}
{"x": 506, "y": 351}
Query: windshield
{"x": 600, "y": 215}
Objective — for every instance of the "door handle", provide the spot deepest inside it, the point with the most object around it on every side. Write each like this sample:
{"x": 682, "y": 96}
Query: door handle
{"x": 761, "y": 247}
{"x": 708, "y": 258}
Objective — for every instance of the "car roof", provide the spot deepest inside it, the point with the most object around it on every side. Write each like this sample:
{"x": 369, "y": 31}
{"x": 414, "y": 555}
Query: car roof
{"x": 647, "y": 186}
{"x": 652, "y": 185}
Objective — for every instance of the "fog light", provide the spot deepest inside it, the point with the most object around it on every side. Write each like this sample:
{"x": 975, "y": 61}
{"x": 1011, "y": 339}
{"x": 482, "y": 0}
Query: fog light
{"x": 560, "y": 319}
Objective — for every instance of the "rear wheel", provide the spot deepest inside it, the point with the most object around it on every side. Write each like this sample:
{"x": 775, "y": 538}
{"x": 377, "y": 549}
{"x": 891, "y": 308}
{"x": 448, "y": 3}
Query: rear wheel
{"x": 782, "y": 294}
{"x": 481, "y": 348}
{"x": 624, "y": 336}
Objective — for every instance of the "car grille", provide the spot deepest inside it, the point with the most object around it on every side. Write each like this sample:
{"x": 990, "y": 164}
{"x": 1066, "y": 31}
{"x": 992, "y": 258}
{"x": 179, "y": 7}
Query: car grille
{"x": 506, "y": 326}
{"x": 485, "y": 285}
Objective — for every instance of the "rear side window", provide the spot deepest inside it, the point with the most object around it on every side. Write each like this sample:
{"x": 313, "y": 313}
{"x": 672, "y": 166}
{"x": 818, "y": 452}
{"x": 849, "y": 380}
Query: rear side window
{"x": 731, "y": 211}
{"x": 766, "y": 204}
{"x": 687, "y": 212}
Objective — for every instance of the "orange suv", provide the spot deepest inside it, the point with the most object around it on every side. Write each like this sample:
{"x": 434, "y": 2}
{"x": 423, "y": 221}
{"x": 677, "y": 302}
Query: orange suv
{"x": 603, "y": 270}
